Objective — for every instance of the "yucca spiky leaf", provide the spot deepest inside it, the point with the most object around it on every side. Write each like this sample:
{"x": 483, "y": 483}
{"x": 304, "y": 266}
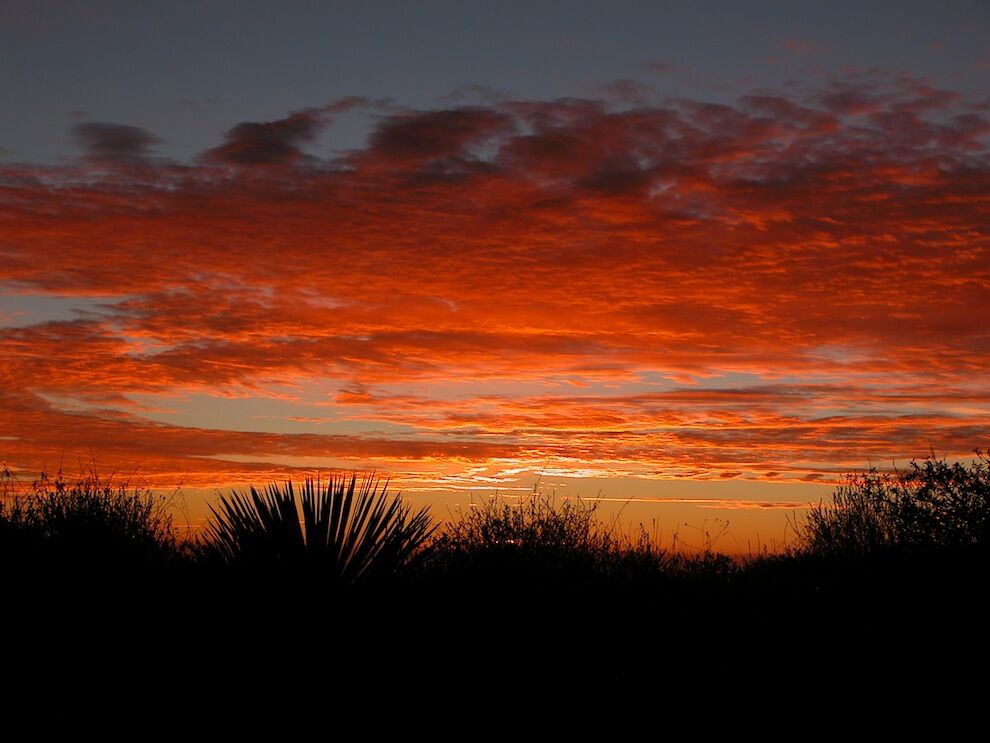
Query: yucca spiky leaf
{"x": 346, "y": 529}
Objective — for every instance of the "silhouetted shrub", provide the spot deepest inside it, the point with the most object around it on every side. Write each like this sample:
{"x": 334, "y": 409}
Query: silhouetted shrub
{"x": 532, "y": 537}
{"x": 535, "y": 543}
{"x": 931, "y": 504}
{"x": 345, "y": 531}
{"x": 92, "y": 521}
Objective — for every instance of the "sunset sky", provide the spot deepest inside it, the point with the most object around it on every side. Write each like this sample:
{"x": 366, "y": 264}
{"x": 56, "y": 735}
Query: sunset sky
{"x": 700, "y": 258}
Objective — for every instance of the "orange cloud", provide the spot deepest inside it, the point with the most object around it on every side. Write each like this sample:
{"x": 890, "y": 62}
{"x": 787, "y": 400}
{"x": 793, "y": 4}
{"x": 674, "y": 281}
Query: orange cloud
{"x": 777, "y": 289}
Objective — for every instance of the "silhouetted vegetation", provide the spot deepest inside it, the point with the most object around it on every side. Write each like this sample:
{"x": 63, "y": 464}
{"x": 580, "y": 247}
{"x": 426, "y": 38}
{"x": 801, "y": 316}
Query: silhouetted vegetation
{"x": 346, "y": 531}
{"x": 85, "y": 524}
{"x": 534, "y": 543}
{"x": 930, "y": 505}
{"x": 900, "y": 542}
{"x": 529, "y": 538}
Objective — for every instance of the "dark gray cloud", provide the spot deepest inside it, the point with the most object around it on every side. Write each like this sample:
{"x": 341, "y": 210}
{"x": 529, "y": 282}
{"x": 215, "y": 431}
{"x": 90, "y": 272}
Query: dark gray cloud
{"x": 114, "y": 143}
{"x": 276, "y": 142}
{"x": 425, "y": 135}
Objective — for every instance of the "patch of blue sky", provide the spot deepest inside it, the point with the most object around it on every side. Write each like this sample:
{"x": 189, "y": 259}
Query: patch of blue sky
{"x": 20, "y": 310}
{"x": 257, "y": 413}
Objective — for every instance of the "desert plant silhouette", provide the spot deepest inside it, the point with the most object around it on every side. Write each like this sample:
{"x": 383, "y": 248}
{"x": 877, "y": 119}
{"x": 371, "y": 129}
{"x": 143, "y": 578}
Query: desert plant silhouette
{"x": 535, "y": 541}
{"x": 74, "y": 525}
{"x": 345, "y": 530}
{"x": 932, "y": 504}
{"x": 525, "y": 537}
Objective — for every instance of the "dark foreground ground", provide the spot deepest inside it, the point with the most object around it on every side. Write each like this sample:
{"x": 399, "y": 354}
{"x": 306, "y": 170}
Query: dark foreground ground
{"x": 884, "y": 607}
{"x": 870, "y": 622}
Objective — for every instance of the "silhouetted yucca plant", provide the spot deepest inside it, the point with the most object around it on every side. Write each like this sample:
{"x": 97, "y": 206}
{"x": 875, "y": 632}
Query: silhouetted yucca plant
{"x": 347, "y": 529}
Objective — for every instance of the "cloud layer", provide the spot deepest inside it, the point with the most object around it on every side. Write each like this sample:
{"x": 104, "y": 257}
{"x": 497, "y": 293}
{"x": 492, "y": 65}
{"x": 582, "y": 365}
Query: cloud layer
{"x": 778, "y": 289}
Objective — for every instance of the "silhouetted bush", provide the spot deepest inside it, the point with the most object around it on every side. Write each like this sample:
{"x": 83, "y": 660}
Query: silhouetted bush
{"x": 346, "y": 532}
{"x": 526, "y": 540}
{"x": 931, "y": 504}
{"x": 537, "y": 544}
{"x": 86, "y": 523}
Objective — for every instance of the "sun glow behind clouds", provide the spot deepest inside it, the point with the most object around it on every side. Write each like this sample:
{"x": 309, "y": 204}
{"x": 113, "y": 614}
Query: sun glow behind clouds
{"x": 775, "y": 291}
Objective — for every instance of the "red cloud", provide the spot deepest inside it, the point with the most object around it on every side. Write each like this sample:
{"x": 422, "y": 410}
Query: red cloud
{"x": 779, "y": 289}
